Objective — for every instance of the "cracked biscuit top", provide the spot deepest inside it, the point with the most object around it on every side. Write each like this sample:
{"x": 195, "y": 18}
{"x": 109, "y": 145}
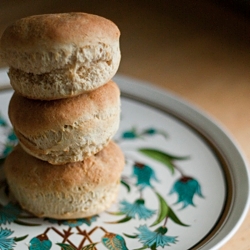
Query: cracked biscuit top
{"x": 41, "y": 43}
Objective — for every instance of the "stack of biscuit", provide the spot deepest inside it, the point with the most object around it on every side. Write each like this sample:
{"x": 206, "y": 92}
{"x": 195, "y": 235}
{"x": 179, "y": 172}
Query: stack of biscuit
{"x": 65, "y": 111}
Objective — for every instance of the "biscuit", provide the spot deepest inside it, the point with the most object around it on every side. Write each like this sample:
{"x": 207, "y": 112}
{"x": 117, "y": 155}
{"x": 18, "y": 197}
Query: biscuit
{"x": 55, "y": 56}
{"x": 69, "y": 191}
{"x": 67, "y": 130}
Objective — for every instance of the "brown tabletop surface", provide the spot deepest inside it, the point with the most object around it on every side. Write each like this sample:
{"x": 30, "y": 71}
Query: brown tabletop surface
{"x": 195, "y": 49}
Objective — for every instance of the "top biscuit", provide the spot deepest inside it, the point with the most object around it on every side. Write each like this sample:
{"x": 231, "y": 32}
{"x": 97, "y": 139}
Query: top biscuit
{"x": 73, "y": 52}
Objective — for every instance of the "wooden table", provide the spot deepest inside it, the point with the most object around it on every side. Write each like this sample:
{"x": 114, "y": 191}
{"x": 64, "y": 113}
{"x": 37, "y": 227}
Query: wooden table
{"x": 195, "y": 49}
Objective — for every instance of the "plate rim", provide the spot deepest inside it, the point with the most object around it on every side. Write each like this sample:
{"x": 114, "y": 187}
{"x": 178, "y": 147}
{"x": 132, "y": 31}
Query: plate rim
{"x": 184, "y": 110}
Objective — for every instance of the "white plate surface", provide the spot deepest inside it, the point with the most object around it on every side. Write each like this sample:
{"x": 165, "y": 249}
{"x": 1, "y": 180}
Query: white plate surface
{"x": 185, "y": 184}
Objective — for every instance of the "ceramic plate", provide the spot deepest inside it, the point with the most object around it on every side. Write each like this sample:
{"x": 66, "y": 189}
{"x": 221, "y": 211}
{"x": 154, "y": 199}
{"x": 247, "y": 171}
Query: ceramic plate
{"x": 185, "y": 184}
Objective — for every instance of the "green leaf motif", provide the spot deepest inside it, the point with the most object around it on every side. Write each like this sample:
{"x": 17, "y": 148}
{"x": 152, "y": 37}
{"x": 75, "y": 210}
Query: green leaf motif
{"x": 115, "y": 213}
{"x": 123, "y": 220}
{"x": 125, "y": 184}
{"x": 17, "y": 239}
{"x": 166, "y": 211}
{"x": 131, "y": 236}
{"x": 23, "y": 223}
{"x": 90, "y": 246}
{"x": 174, "y": 218}
{"x": 114, "y": 242}
{"x": 163, "y": 210}
{"x": 141, "y": 248}
{"x": 162, "y": 157}
{"x": 70, "y": 247}
{"x": 66, "y": 246}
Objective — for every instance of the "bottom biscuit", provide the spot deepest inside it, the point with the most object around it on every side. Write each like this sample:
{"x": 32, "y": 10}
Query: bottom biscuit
{"x": 69, "y": 191}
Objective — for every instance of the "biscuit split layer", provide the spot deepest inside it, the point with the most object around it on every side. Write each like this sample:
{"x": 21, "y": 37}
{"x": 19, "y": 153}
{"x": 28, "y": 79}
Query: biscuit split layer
{"x": 56, "y": 56}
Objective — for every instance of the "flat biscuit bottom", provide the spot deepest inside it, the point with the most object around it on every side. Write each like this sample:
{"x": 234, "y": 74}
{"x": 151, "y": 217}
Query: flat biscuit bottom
{"x": 71, "y": 205}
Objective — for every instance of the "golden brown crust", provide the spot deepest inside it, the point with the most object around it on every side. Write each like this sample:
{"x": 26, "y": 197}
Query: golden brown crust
{"x": 98, "y": 170}
{"x": 68, "y": 41}
{"x": 50, "y": 30}
{"x": 57, "y": 56}
{"x": 32, "y": 117}
{"x": 67, "y": 191}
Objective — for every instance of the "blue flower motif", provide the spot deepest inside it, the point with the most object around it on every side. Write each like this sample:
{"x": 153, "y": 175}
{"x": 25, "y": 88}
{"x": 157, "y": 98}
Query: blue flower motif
{"x": 153, "y": 131}
{"x": 40, "y": 242}
{"x": 154, "y": 239}
{"x": 150, "y": 131}
{"x": 144, "y": 174}
{"x": 137, "y": 208}
{"x": 135, "y": 133}
{"x": 7, "y": 150}
{"x": 3, "y": 123}
{"x": 12, "y": 137}
{"x": 131, "y": 134}
{"x": 9, "y": 213}
{"x": 9, "y": 145}
{"x": 186, "y": 187}
{"x": 5, "y": 242}
{"x": 76, "y": 222}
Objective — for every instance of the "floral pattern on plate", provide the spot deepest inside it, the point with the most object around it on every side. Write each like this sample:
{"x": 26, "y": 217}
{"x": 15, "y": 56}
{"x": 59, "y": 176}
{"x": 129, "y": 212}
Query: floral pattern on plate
{"x": 176, "y": 189}
{"x": 150, "y": 235}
